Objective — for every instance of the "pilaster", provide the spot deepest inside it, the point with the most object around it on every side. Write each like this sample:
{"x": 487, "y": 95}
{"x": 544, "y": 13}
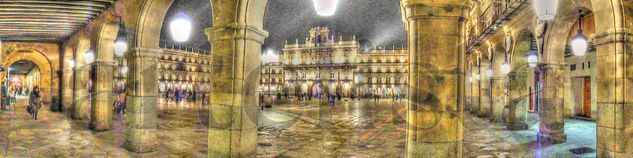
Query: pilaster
{"x": 435, "y": 107}
{"x": 101, "y": 111}
{"x": 142, "y": 100}
{"x": 498, "y": 99}
{"x": 484, "y": 91}
{"x": 614, "y": 77}
{"x": 552, "y": 124}
{"x": 233, "y": 106}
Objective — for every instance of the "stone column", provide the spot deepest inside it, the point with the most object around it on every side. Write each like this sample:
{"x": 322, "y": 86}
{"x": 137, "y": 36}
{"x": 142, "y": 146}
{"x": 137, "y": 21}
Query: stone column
{"x": 233, "y": 108}
{"x": 67, "y": 79}
{"x": 6, "y": 70}
{"x": 518, "y": 101}
{"x": 614, "y": 80}
{"x": 81, "y": 97}
{"x": 484, "y": 91}
{"x": 142, "y": 100}
{"x": 498, "y": 97}
{"x": 435, "y": 107}
{"x": 474, "y": 99}
{"x": 101, "y": 111}
{"x": 467, "y": 89}
{"x": 552, "y": 124}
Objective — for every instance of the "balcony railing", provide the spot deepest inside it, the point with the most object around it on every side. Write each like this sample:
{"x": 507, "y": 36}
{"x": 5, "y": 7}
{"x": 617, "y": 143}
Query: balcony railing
{"x": 492, "y": 18}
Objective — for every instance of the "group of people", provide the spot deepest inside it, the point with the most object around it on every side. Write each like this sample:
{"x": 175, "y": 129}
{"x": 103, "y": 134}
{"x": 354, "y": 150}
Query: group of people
{"x": 179, "y": 95}
{"x": 119, "y": 104}
{"x": 20, "y": 90}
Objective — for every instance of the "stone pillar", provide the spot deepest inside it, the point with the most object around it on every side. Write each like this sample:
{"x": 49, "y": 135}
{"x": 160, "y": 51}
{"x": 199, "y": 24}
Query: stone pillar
{"x": 552, "y": 124}
{"x": 233, "y": 108}
{"x": 614, "y": 80}
{"x": 81, "y": 97}
{"x": 498, "y": 97}
{"x": 518, "y": 101}
{"x": 484, "y": 91}
{"x": 467, "y": 90}
{"x": 474, "y": 99}
{"x": 142, "y": 100}
{"x": 67, "y": 83}
{"x": 6, "y": 70}
{"x": 435, "y": 107}
{"x": 101, "y": 111}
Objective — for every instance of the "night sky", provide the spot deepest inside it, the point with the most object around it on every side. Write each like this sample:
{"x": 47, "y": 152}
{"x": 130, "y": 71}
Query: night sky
{"x": 374, "y": 22}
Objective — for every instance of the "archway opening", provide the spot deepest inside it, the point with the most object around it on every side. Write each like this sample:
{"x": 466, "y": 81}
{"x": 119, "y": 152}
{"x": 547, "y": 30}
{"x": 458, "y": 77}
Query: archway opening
{"x": 23, "y": 76}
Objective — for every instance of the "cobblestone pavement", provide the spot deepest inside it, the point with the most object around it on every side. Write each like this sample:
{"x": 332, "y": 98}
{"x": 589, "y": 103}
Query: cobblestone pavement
{"x": 180, "y": 134}
{"x": 369, "y": 129}
{"x": 295, "y": 129}
{"x": 348, "y": 129}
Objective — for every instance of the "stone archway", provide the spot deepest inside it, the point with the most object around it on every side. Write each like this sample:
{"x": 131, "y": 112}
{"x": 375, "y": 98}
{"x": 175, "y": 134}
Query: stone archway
{"x": 43, "y": 63}
{"x": 518, "y": 81}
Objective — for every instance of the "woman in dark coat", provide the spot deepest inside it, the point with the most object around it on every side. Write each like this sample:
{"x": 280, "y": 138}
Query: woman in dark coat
{"x": 35, "y": 102}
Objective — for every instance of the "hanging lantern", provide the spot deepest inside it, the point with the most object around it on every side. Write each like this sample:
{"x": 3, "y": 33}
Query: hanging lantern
{"x": 505, "y": 67}
{"x": 181, "y": 28}
{"x": 579, "y": 43}
{"x": 532, "y": 59}
{"x": 89, "y": 57}
{"x": 545, "y": 9}
{"x": 325, "y": 7}
{"x": 119, "y": 48}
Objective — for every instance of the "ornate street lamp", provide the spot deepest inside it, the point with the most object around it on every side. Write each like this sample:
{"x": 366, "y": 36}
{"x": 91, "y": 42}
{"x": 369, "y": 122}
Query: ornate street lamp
{"x": 579, "y": 43}
{"x": 532, "y": 58}
{"x": 120, "y": 47}
{"x": 89, "y": 57}
{"x": 545, "y": 9}
{"x": 181, "y": 28}
{"x": 325, "y": 7}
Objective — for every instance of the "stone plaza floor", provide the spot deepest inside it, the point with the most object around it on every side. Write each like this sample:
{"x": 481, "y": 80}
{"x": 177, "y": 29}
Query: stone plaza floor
{"x": 290, "y": 129}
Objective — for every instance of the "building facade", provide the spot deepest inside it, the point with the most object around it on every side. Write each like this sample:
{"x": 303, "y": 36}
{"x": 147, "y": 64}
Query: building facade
{"x": 326, "y": 66}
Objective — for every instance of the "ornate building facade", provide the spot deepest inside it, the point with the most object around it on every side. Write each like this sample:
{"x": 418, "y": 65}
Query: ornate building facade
{"x": 326, "y": 66}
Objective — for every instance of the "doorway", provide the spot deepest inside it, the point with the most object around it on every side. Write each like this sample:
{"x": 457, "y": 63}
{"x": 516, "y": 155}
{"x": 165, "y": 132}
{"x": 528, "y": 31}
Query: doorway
{"x": 583, "y": 109}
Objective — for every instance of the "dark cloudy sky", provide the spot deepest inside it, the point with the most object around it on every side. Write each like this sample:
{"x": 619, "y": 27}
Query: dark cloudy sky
{"x": 374, "y": 22}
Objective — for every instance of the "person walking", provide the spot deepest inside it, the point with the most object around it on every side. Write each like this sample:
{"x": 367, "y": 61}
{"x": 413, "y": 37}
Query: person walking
{"x": 35, "y": 102}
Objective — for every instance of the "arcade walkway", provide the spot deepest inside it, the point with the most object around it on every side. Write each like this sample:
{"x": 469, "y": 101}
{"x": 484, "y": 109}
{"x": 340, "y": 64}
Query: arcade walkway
{"x": 349, "y": 129}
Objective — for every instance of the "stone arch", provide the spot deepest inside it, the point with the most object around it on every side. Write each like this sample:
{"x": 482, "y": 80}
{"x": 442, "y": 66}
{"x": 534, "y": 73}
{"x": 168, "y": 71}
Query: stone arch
{"x": 43, "y": 63}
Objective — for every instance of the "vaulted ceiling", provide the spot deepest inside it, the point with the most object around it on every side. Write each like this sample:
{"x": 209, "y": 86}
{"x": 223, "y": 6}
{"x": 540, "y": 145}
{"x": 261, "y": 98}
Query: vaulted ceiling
{"x": 46, "y": 20}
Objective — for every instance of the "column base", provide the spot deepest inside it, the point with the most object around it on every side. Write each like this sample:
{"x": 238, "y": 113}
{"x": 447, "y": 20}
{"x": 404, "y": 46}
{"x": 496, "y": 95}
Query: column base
{"x": 519, "y": 126}
{"x": 482, "y": 115}
{"x": 552, "y": 139}
{"x": 607, "y": 153}
{"x": 434, "y": 149}
{"x": 497, "y": 120}
{"x": 98, "y": 127}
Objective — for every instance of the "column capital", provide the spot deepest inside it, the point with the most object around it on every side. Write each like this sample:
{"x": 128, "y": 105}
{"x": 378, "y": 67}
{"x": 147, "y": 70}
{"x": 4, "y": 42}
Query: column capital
{"x": 236, "y": 31}
{"x": 612, "y": 35}
{"x": 145, "y": 52}
{"x": 429, "y": 9}
{"x": 104, "y": 63}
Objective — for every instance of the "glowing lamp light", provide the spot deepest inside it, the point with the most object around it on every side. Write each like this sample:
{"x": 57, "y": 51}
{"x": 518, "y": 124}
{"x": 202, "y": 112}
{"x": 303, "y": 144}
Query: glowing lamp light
{"x": 120, "y": 47}
{"x": 269, "y": 57}
{"x": 532, "y": 59}
{"x": 325, "y": 7}
{"x": 470, "y": 79}
{"x": 477, "y": 77}
{"x": 71, "y": 63}
{"x": 545, "y": 9}
{"x": 89, "y": 57}
{"x": 489, "y": 72}
{"x": 124, "y": 70}
{"x": 505, "y": 67}
{"x": 579, "y": 45}
{"x": 181, "y": 28}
